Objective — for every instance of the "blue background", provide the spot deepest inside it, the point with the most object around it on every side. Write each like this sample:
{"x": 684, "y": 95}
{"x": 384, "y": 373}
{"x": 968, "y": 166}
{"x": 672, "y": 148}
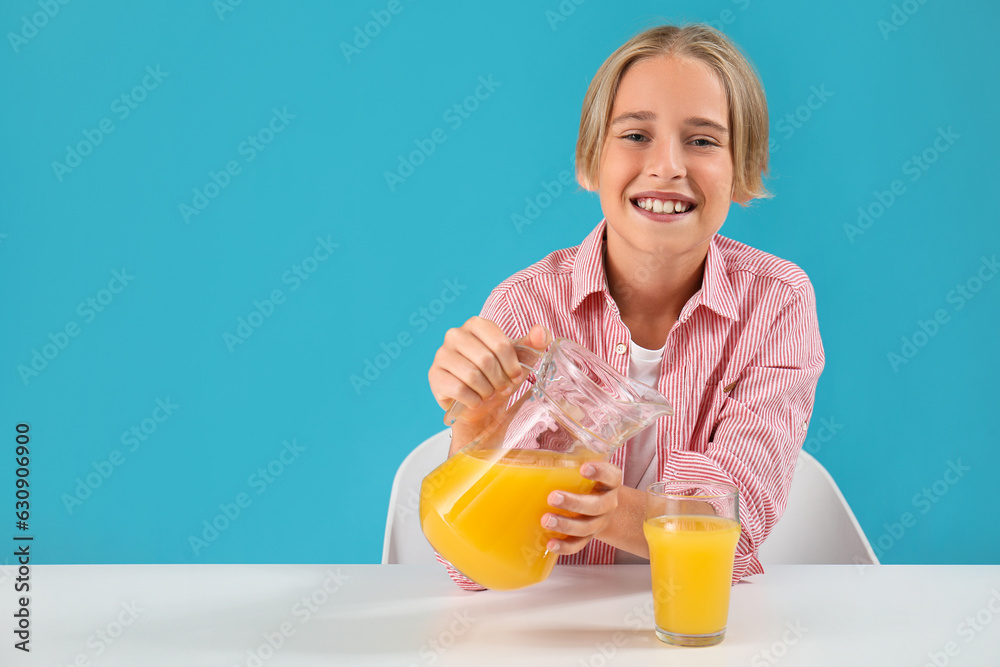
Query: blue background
{"x": 895, "y": 430}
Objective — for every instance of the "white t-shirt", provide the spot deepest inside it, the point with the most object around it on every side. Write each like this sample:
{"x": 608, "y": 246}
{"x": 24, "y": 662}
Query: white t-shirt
{"x": 640, "y": 451}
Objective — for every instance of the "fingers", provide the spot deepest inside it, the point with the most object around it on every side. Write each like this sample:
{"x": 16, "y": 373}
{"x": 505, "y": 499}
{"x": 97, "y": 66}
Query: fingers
{"x": 567, "y": 546}
{"x": 538, "y": 337}
{"x": 496, "y": 343}
{"x": 477, "y": 361}
{"x": 462, "y": 380}
{"x": 581, "y": 516}
{"x": 602, "y": 472}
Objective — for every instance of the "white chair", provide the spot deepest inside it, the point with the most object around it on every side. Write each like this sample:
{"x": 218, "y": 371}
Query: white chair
{"x": 817, "y": 527}
{"x": 404, "y": 540}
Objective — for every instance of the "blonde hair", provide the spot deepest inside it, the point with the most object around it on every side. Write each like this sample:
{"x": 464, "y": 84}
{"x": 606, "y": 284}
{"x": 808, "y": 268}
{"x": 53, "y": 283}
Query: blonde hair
{"x": 748, "y": 121}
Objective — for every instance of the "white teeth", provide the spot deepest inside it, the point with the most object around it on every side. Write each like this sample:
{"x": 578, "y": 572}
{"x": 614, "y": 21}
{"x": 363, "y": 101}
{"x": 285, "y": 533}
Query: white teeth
{"x": 662, "y": 205}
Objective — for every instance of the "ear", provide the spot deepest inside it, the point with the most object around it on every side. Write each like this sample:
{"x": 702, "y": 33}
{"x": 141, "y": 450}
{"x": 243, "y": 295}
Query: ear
{"x": 584, "y": 182}
{"x": 741, "y": 198}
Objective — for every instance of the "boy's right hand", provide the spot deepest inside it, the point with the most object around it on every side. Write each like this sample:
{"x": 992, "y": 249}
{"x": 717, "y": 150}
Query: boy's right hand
{"x": 477, "y": 360}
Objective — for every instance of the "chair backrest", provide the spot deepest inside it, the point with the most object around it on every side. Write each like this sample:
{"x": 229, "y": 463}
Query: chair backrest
{"x": 404, "y": 540}
{"x": 817, "y": 526}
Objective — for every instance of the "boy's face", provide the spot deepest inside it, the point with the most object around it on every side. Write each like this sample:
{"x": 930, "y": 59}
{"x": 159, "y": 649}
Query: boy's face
{"x": 668, "y": 141}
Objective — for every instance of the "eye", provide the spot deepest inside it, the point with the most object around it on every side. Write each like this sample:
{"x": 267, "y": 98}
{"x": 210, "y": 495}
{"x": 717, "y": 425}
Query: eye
{"x": 634, "y": 137}
{"x": 704, "y": 143}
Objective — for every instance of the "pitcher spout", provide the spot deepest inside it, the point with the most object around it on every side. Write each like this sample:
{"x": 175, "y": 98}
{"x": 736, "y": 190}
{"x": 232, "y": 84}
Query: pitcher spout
{"x": 640, "y": 415}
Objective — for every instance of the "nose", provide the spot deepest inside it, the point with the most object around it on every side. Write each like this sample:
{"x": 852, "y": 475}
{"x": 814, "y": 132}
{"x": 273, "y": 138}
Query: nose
{"x": 666, "y": 160}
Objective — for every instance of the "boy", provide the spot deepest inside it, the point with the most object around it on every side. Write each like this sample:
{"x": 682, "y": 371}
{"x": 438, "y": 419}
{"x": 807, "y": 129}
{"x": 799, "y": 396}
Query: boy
{"x": 674, "y": 128}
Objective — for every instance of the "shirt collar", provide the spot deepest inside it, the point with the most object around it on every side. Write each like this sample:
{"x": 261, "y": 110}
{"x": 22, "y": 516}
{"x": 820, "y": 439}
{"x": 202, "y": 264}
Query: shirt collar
{"x": 589, "y": 276}
{"x": 588, "y": 268}
{"x": 716, "y": 291}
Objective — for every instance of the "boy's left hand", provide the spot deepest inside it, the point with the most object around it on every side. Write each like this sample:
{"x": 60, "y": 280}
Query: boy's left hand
{"x": 589, "y": 512}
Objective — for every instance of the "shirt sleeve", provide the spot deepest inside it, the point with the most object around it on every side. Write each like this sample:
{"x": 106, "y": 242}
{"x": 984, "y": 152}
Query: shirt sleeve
{"x": 761, "y": 426}
{"x": 463, "y": 581}
{"x": 498, "y": 310}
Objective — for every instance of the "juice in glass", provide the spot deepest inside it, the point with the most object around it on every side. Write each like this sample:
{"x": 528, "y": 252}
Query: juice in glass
{"x": 692, "y": 565}
{"x": 692, "y": 528}
{"x": 483, "y": 514}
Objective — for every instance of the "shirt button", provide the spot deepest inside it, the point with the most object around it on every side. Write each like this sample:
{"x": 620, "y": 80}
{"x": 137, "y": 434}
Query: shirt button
{"x": 620, "y": 348}
{"x": 805, "y": 426}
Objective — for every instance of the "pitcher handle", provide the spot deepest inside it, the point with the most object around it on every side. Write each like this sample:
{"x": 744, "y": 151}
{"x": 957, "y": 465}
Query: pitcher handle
{"x": 523, "y": 351}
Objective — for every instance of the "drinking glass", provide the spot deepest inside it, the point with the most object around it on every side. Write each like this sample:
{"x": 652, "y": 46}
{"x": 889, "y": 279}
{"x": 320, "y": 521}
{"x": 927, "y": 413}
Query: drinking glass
{"x": 692, "y": 527}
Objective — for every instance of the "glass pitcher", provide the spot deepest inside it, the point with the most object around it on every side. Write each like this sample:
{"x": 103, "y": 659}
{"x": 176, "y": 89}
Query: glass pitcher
{"x": 482, "y": 508}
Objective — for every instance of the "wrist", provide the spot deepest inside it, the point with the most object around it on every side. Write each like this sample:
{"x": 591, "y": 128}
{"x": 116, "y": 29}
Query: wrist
{"x": 624, "y": 527}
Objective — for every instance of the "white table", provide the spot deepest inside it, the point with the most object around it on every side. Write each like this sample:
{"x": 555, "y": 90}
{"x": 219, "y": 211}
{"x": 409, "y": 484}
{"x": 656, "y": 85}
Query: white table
{"x": 194, "y": 615}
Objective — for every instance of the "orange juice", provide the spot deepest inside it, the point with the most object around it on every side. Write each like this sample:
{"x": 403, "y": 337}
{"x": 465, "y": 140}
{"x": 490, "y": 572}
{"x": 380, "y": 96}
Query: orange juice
{"x": 483, "y": 514}
{"x": 691, "y": 558}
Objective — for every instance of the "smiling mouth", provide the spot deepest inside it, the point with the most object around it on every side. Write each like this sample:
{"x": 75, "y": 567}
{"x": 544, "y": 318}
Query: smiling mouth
{"x": 665, "y": 206}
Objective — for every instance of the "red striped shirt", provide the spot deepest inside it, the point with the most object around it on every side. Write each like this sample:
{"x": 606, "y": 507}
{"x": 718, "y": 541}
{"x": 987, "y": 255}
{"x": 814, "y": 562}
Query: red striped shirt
{"x": 740, "y": 368}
